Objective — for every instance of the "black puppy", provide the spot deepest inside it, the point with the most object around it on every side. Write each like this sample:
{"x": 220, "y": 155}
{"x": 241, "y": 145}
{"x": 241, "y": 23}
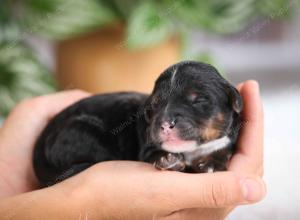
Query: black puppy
{"x": 189, "y": 123}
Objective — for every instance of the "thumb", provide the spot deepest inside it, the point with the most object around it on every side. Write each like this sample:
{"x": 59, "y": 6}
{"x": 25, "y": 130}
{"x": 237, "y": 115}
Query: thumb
{"x": 221, "y": 189}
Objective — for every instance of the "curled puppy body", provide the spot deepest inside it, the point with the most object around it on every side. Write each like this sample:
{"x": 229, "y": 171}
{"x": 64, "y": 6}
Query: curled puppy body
{"x": 189, "y": 123}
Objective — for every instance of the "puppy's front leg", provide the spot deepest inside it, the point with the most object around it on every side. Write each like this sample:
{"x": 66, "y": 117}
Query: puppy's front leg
{"x": 170, "y": 161}
{"x": 163, "y": 160}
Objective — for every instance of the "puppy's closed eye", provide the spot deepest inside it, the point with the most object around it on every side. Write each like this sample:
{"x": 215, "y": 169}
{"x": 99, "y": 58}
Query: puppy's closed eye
{"x": 196, "y": 99}
{"x": 200, "y": 100}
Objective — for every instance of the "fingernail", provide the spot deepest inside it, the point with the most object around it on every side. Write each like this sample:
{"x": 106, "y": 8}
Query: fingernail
{"x": 252, "y": 190}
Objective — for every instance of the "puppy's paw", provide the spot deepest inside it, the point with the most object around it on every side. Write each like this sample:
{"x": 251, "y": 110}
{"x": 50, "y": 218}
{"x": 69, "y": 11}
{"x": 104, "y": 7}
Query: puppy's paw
{"x": 209, "y": 167}
{"x": 170, "y": 161}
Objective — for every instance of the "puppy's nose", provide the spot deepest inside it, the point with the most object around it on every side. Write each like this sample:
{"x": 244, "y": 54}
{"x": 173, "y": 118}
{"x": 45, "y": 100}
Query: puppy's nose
{"x": 173, "y": 123}
{"x": 168, "y": 126}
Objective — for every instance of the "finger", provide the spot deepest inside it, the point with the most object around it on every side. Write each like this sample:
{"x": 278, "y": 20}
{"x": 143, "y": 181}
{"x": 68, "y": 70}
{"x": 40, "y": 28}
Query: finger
{"x": 35, "y": 112}
{"x": 164, "y": 192}
{"x": 54, "y": 103}
{"x": 240, "y": 86}
{"x": 252, "y": 131}
{"x": 222, "y": 189}
{"x": 17, "y": 141}
{"x": 38, "y": 111}
{"x": 250, "y": 144}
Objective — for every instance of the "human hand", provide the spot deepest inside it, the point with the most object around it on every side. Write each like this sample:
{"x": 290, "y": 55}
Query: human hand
{"x": 18, "y": 136}
{"x": 131, "y": 190}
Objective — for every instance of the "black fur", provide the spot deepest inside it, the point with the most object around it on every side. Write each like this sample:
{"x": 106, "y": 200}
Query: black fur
{"x": 125, "y": 126}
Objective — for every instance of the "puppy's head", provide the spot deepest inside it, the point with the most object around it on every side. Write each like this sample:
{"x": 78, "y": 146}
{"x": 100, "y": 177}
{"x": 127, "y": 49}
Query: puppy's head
{"x": 191, "y": 105}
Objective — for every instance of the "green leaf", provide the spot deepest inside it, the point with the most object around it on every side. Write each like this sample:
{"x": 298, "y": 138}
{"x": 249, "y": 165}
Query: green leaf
{"x": 235, "y": 16}
{"x": 62, "y": 19}
{"x": 4, "y": 12}
{"x": 21, "y": 76}
{"x": 147, "y": 27}
{"x": 123, "y": 7}
{"x": 222, "y": 17}
{"x": 192, "y": 12}
{"x": 276, "y": 8}
{"x": 9, "y": 28}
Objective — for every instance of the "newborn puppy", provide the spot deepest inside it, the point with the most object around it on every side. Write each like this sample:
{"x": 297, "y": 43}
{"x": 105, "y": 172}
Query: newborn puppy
{"x": 189, "y": 123}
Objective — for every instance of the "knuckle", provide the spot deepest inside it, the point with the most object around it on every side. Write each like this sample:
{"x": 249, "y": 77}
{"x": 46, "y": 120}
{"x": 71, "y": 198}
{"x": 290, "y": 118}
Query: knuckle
{"x": 218, "y": 195}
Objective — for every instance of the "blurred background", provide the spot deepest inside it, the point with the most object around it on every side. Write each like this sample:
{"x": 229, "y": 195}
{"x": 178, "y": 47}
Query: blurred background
{"x": 114, "y": 45}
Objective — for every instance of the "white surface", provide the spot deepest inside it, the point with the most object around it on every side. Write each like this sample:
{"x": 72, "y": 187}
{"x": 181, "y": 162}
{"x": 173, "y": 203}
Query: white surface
{"x": 282, "y": 159}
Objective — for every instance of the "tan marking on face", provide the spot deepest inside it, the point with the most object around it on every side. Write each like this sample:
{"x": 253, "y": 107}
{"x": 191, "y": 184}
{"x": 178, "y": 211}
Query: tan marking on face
{"x": 210, "y": 133}
{"x": 220, "y": 117}
{"x": 213, "y": 128}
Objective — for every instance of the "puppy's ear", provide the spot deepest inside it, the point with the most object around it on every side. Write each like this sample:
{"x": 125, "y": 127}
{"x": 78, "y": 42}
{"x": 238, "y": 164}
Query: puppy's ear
{"x": 235, "y": 98}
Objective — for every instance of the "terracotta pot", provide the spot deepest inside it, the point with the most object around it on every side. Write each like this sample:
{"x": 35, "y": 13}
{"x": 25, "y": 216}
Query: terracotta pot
{"x": 100, "y": 62}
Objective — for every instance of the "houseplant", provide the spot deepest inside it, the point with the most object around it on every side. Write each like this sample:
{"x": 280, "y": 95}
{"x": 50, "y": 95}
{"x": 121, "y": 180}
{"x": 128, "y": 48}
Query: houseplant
{"x": 141, "y": 26}
{"x": 21, "y": 73}
{"x": 134, "y": 39}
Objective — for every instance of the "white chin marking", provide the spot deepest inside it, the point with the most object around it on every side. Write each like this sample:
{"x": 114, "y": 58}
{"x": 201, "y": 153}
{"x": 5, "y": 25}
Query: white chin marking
{"x": 177, "y": 148}
{"x": 192, "y": 147}
{"x": 205, "y": 149}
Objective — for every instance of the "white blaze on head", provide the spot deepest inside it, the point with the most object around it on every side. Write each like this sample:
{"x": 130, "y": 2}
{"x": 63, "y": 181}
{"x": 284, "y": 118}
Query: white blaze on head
{"x": 173, "y": 76}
